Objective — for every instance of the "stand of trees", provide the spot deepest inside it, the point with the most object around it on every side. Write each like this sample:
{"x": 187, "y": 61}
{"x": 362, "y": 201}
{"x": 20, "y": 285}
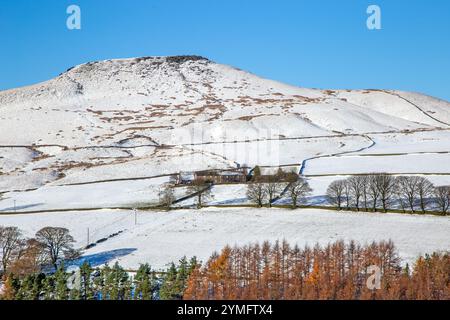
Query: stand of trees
{"x": 267, "y": 271}
{"x": 382, "y": 191}
{"x": 20, "y": 255}
{"x": 337, "y": 271}
{"x": 265, "y": 190}
{"x": 34, "y": 269}
{"x": 105, "y": 283}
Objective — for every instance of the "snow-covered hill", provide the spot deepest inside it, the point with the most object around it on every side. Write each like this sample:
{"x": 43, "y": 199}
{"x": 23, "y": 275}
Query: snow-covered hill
{"x": 152, "y": 116}
{"x": 101, "y": 138}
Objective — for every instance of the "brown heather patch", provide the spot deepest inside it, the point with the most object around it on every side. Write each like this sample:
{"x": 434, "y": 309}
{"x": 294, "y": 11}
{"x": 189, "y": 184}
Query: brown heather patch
{"x": 110, "y": 119}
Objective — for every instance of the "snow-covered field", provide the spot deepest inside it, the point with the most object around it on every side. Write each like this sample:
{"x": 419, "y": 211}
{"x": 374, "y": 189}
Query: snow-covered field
{"x": 162, "y": 237}
{"x": 131, "y": 193}
{"x": 406, "y": 164}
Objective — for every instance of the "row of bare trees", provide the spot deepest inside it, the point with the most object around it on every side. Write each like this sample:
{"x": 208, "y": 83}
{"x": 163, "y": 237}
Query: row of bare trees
{"x": 383, "y": 191}
{"x": 267, "y": 191}
{"x": 261, "y": 190}
{"x": 336, "y": 271}
{"x": 21, "y": 255}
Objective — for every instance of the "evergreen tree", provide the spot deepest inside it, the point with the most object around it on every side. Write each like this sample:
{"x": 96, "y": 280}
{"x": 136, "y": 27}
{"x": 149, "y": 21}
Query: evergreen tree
{"x": 61, "y": 289}
{"x": 168, "y": 288}
{"x": 74, "y": 294}
{"x": 24, "y": 290}
{"x": 193, "y": 264}
{"x": 30, "y": 287}
{"x": 86, "y": 288}
{"x": 104, "y": 282}
{"x": 48, "y": 288}
{"x": 118, "y": 283}
{"x": 182, "y": 277}
{"x": 144, "y": 283}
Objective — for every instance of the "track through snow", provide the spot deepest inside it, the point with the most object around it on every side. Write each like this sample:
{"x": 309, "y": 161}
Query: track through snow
{"x": 303, "y": 166}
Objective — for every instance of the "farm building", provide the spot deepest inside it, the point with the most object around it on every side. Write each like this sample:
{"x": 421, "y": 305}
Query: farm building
{"x": 222, "y": 176}
{"x": 214, "y": 176}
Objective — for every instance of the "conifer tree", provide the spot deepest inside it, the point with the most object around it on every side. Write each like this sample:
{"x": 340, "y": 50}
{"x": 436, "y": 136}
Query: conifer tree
{"x": 118, "y": 283}
{"x": 48, "y": 287}
{"x": 86, "y": 288}
{"x": 104, "y": 282}
{"x": 61, "y": 289}
{"x": 144, "y": 283}
{"x": 168, "y": 289}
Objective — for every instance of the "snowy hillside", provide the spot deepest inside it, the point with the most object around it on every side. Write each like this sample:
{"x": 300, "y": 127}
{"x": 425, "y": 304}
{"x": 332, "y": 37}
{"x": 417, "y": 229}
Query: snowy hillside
{"x": 145, "y": 117}
{"x": 81, "y": 150}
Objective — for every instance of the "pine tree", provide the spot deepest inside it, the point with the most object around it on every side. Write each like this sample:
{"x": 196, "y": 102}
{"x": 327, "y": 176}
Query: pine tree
{"x": 48, "y": 287}
{"x": 74, "y": 294}
{"x": 24, "y": 291}
{"x": 118, "y": 283}
{"x": 61, "y": 277}
{"x": 193, "y": 263}
{"x": 86, "y": 289}
{"x": 104, "y": 282}
{"x": 144, "y": 283}
{"x": 182, "y": 276}
{"x": 168, "y": 288}
{"x": 30, "y": 287}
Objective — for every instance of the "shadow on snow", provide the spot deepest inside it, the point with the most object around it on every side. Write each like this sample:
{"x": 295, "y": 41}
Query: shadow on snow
{"x": 101, "y": 258}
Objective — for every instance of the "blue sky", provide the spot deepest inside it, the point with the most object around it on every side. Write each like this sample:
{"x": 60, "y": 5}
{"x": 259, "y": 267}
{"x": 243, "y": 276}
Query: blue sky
{"x": 315, "y": 43}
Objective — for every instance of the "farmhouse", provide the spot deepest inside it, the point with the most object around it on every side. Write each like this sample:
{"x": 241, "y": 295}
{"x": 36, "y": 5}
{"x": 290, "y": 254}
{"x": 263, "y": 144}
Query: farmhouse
{"x": 213, "y": 176}
{"x": 222, "y": 176}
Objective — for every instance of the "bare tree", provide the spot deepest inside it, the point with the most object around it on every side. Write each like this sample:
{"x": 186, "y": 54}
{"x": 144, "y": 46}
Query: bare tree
{"x": 273, "y": 189}
{"x": 373, "y": 190}
{"x": 297, "y": 190}
{"x": 335, "y": 193}
{"x": 166, "y": 196}
{"x": 356, "y": 185}
{"x": 57, "y": 243}
{"x": 202, "y": 191}
{"x": 442, "y": 198}
{"x": 407, "y": 189}
{"x": 347, "y": 193}
{"x": 256, "y": 193}
{"x": 425, "y": 190}
{"x": 398, "y": 194}
{"x": 385, "y": 184}
{"x": 11, "y": 241}
{"x": 365, "y": 191}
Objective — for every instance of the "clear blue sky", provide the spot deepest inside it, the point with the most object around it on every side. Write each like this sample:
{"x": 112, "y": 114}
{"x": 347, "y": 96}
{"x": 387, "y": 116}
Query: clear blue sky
{"x": 314, "y": 43}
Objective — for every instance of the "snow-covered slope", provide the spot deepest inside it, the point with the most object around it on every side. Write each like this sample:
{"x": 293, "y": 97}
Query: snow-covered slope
{"x": 151, "y": 116}
{"x": 105, "y": 102}
{"x": 109, "y": 134}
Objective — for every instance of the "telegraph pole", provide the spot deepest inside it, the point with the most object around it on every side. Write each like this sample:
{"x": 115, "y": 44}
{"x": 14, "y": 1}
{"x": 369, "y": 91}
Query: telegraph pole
{"x": 88, "y": 236}
{"x": 135, "y": 216}
{"x": 15, "y": 209}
